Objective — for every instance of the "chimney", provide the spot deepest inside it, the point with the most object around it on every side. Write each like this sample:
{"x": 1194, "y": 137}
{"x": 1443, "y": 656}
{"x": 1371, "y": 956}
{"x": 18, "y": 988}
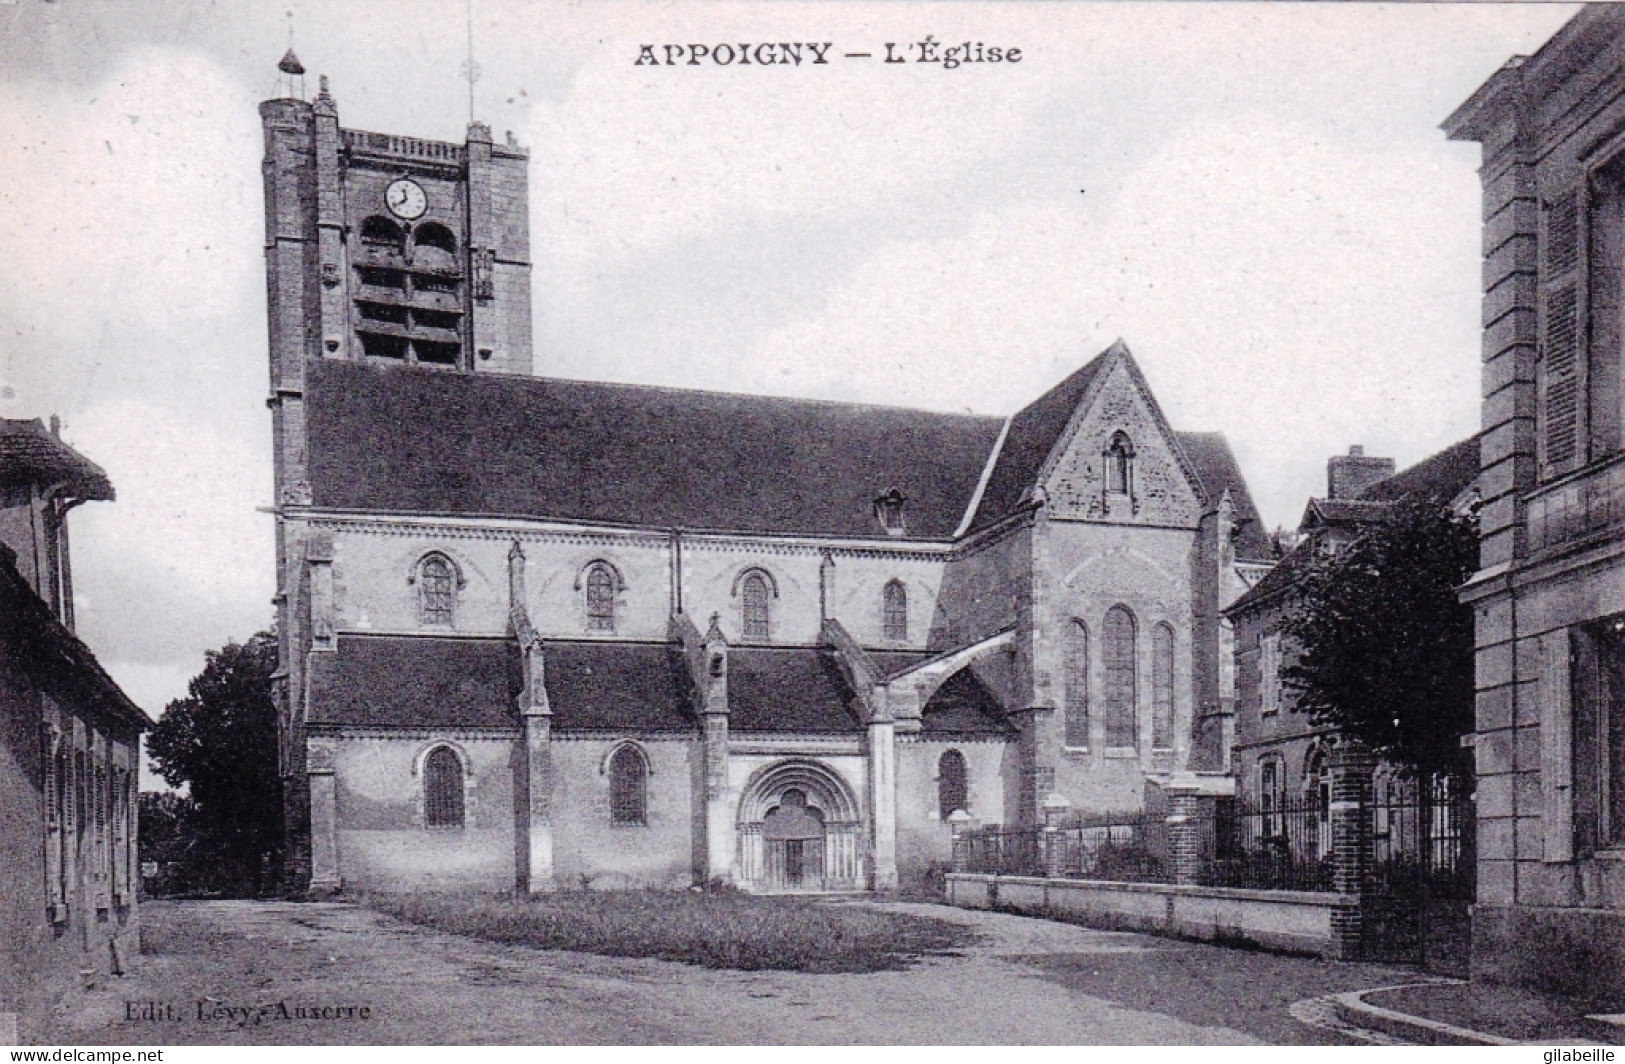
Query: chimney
{"x": 1348, "y": 475}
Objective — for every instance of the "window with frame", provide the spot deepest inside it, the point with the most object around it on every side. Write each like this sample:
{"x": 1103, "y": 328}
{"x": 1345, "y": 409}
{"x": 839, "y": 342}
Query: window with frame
{"x": 1162, "y": 687}
{"x": 1118, "y": 679}
{"x": 601, "y": 588}
{"x": 953, "y": 786}
{"x": 895, "y": 608}
{"x": 1075, "y": 663}
{"x": 1599, "y": 735}
{"x": 628, "y": 788}
{"x": 1317, "y": 792}
{"x": 754, "y": 600}
{"x": 1269, "y": 674}
{"x": 443, "y": 789}
{"x": 1270, "y": 794}
{"x": 437, "y": 591}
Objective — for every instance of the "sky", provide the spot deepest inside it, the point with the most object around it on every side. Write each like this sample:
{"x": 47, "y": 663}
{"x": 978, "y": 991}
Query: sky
{"x": 1256, "y": 198}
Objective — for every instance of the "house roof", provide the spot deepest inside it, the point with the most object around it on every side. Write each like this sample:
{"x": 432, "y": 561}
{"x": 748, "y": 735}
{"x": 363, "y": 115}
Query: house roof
{"x": 1440, "y": 477}
{"x": 52, "y": 655}
{"x": 30, "y": 453}
{"x": 414, "y": 441}
{"x": 964, "y": 705}
{"x": 795, "y": 690}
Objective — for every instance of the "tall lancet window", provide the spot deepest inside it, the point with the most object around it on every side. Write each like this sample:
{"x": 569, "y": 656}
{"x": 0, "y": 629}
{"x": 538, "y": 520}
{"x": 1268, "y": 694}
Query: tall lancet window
{"x": 1076, "y": 666}
{"x": 1162, "y": 687}
{"x": 895, "y": 605}
{"x": 1118, "y": 686}
{"x": 754, "y": 599}
{"x": 601, "y": 598}
{"x": 443, "y": 789}
{"x": 437, "y": 591}
{"x": 1119, "y": 461}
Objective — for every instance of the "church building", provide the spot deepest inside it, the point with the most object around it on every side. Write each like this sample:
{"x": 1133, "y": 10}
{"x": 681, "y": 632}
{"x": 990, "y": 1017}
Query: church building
{"x": 547, "y": 634}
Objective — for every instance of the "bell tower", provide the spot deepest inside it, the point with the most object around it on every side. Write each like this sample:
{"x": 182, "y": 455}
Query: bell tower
{"x": 401, "y": 252}
{"x": 394, "y": 250}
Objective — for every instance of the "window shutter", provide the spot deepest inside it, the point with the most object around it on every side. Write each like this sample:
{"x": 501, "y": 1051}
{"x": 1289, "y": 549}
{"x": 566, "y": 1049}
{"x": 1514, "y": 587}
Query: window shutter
{"x": 1561, "y": 381}
{"x": 1556, "y": 748}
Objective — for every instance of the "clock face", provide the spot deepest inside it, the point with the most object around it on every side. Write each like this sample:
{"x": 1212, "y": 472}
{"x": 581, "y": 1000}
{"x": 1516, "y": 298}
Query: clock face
{"x": 405, "y": 199}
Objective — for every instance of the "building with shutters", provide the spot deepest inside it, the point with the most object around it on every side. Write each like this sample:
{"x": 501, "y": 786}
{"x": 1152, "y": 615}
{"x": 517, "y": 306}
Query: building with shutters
{"x": 543, "y": 633}
{"x": 1550, "y": 595}
{"x": 69, "y": 753}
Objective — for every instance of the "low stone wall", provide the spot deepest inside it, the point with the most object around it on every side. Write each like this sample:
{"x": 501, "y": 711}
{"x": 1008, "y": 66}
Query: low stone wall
{"x": 1288, "y": 921}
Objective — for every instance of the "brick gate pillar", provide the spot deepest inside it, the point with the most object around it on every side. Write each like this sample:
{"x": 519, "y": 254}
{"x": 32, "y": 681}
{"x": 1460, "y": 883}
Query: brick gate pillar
{"x": 1184, "y": 831}
{"x": 1352, "y": 766}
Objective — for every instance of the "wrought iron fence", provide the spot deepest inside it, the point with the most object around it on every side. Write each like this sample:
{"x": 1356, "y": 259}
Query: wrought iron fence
{"x": 1006, "y": 851}
{"x": 1421, "y": 839}
{"x": 1121, "y": 849}
{"x": 1285, "y": 845}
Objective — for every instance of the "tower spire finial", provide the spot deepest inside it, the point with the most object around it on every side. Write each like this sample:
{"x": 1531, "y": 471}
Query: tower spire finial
{"x": 471, "y": 69}
{"x": 290, "y": 67}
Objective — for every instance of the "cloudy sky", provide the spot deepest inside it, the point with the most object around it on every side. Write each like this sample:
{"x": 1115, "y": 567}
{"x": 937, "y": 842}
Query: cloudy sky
{"x": 1256, "y": 198}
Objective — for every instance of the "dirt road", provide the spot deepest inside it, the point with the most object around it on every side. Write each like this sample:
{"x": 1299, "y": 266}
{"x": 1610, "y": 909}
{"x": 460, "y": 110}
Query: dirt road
{"x": 224, "y": 973}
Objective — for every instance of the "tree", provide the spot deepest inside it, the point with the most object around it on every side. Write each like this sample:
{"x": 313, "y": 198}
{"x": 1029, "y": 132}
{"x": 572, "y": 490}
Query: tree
{"x": 1384, "y": 647}
{"x": 220, "y": 743}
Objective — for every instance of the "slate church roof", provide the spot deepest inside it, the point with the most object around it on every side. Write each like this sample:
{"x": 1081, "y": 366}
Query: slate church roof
{"x": 390, "y": 440}
{"x": 409, "y": 681}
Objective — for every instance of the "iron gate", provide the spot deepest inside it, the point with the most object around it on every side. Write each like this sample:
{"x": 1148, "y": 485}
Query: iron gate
{"x": 1420, "y": 877}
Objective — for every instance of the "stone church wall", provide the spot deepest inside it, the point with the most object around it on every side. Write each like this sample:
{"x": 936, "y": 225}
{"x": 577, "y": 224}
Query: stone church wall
{"x": 923, "y": 837}
{"x": 982, "y": 592}
{"x": 382, "y": 841}
{"x": 1084, "y": 569}
{"x": 589, "y": 852}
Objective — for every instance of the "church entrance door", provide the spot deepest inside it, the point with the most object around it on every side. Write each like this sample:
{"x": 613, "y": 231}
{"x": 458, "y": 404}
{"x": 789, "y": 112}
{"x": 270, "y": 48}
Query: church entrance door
{"x": 799, "y": 830}
{"x": 793, "y": 832}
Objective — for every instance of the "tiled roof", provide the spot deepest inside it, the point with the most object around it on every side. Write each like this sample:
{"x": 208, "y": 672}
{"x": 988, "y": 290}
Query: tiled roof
{"x": 1032, "y": 435}
{"x": 632, "y": 687}
{"x": 29, "y": 453}
{"x": 964, "y": 705}
{"x": 794, "y": 690}
{"x": 1217, "y": 469}
{"x": 892, "y": 662}
{"x": 52, "y": 655}
{"x": 450, "y": 682}
{"x": 417, "y": 441}
{"x": 416, "y": 682}
{"x": 1037, "y": 428}
{"x": 1440, "y": 477}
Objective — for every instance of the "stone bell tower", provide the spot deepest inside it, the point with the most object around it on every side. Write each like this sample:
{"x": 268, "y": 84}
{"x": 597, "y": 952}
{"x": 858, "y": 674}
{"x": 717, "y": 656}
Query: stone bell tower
{"x": 384, "y": 249}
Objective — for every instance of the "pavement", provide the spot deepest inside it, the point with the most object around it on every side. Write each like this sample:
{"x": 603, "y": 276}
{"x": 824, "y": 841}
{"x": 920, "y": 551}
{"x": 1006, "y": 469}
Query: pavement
{"x": 277, "y": 973}
{"x": 1454, "y": 1012}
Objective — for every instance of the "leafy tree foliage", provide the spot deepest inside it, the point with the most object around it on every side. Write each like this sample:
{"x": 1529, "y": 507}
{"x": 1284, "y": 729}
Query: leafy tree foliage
{"x": 220, "y": 743}
{"x": 1384, "y": 649}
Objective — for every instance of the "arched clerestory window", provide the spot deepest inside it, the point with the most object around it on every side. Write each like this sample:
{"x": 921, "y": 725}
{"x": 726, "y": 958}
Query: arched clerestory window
{"x": 437, "y": 591}
{"x": 628, "y": 787}
{"x": 1118, "y": 679}
{"x": 755, "y": 597}
{"x": 1075, "y": 652}
{"x": 601, "y": 588}
{"x": 953, "y": 787}
{"x": 894, "y": 604}
{"x": 1162, "y": 687}
{"x": 443, "y": 789}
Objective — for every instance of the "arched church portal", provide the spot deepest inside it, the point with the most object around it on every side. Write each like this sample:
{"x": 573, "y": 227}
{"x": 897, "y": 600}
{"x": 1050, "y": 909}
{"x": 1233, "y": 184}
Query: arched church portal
{"x": 799, "y": 830}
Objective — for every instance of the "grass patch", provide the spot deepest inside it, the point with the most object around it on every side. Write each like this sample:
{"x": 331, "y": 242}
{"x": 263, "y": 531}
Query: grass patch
{"x": 711, "y": 929}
